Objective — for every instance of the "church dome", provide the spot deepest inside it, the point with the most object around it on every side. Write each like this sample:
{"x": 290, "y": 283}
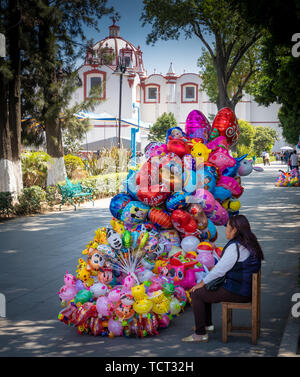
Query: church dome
{"x": 109, "y": 50}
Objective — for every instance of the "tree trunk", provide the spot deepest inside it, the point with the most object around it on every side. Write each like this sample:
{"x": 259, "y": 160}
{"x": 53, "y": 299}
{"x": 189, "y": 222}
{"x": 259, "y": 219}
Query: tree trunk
{"x": 10, "y": 94}
{"x": 56, "y": 169}
{"x": 221, "y": 67}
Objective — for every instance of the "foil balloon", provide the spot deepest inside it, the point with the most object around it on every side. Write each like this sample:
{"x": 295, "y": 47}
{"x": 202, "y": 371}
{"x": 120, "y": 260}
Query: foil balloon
{"x": 205, "y": 254}
{"x": 184, "y": 222}
{"x": 190, "y": 243}
{"x": 232, "y": 171}
{"x": 127, "y": 239}
{"x": 115, "y": 327}
{"x": 156, "y": 195}
{"x": 221, "y": 193}
{"x": 130, "y": 184}
{"x": 189, "y": 174}
{"x": 178, "y": 146}
{"x": 134, "y": 212}
{"x": 200, "y": 151}
{"x": 205, "y": 198}
{"x": 226, "y": 124}
{"x": 222, "y": 159}
{"x": 176, "y": 201}
{"x": 219, "y": 216}
{"x": 199, "y": 215}
{"x": 210, "y": 177}
{"x": 219, "y": 141}
{"x": 232, "y": 185}
{"x": 175, "y": 133}
{"x": 154, "y": 149}
{"x": 160, "y": 218}
{"x": 197, "y": 126}
{"x": 118, "y": 203}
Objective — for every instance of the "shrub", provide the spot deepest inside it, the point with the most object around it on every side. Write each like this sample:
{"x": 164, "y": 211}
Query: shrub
{"x": 30, "y": 200}
{"x": 34, "y": 168}
{"x": 72, "y": 164}
{"x": 52, "y": 195}
{"x": 6, "y": 206}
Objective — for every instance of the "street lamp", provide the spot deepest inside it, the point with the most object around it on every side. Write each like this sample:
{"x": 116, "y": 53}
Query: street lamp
{"x": 120, "y": 70}
{"x": 133, "y": 136}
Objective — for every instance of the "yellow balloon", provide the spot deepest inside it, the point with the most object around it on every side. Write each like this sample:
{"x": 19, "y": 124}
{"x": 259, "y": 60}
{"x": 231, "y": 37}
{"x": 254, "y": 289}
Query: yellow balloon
{"x": 142, "y": 306}
{"x": 138, "y": 292}
{"x": 161, "y": 307}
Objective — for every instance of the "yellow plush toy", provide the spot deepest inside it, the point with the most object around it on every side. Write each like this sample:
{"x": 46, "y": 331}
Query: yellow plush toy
{"x": 200, "y": 150}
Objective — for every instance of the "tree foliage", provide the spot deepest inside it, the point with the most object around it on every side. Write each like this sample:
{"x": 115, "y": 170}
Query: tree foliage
{"x": 254, "y": 140}
{"x": 217, "y": 24}
{"x": 280, "y": 71}
{"x": 160, "y": 127}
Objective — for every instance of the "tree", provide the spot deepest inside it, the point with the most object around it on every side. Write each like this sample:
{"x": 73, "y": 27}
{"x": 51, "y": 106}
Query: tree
{"x": 264, "y": 139}
{"x": 57, "y": 24}
{"x": 209, "y": 20}
{"x": 10, "y": 99}
{"x": 159, "y": 129}
{"x": 280, "y": 75}
{"x": 245, "y": 142}
{"x": 245, "y": 73}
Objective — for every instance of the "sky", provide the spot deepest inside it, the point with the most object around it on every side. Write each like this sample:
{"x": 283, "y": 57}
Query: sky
{"x": 183, "y": 53}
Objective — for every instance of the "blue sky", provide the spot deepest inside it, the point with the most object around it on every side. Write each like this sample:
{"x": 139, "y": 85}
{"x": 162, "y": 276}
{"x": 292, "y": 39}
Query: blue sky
{"x": 183, "y": 53}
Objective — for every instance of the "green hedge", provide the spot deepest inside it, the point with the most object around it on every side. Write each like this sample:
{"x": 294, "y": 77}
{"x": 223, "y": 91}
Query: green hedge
{"x": 32, "y": 198}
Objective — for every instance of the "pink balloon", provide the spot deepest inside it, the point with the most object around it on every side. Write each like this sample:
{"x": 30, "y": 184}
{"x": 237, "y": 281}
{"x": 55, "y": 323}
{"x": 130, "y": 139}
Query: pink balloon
{"x": 205, "y": 198}
{"x": 164, "y": 321}
{"x": 197, "y": 126}
{"x": 102, "y": 306}
{"x": 219, "y": 216}
{"x": 206, "y": 258}
{"x": 115, "y": 327}
{"x": 114, "y": 295}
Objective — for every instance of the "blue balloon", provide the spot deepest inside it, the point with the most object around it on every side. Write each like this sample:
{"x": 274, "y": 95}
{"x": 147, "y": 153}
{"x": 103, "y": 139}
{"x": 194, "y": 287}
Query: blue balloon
{"x": 210, "y": 177}
{"x": 118, "y": 203}
{"x": 131, "y": 185}
{"x": 221, "y": 193}
{"x": 210, "y": 232}
{"x": 232, "y": 170}
{"x": 176, "y": 201}
{"x": 134, "y": 212}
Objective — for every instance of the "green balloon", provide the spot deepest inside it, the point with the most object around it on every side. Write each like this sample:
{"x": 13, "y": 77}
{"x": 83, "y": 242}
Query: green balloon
{"x": 127, "y": 239}
{"x": 83, "y": 296}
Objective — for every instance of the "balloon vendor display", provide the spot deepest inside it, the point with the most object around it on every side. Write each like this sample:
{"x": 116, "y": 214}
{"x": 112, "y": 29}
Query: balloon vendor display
{"x": 288, "y": 179}
{"x": 134, "y": 276}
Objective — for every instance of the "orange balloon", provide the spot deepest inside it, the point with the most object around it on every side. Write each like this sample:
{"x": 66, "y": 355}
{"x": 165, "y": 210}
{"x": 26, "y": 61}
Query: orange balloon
{"x": 160, "y": 218}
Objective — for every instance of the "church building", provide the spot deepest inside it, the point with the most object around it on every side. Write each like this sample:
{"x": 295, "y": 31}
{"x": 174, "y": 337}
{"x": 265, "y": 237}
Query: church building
{"x": 145, "y": 97}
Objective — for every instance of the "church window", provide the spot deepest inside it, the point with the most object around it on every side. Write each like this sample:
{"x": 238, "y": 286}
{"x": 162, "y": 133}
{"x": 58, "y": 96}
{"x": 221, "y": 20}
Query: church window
{"x": 94, "y": 79}
{"x": 152, "y": 93}
{"x": 189, "y": 93}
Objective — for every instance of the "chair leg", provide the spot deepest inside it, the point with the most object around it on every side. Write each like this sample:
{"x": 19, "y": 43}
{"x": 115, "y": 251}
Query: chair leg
{"x": 229, "y": 311}
{"x": 254, "y": 325}
{"x": 225, "y": 323}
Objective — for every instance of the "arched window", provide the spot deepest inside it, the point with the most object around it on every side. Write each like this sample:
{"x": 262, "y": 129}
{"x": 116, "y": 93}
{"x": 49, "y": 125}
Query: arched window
{"x": 152, "y": 93}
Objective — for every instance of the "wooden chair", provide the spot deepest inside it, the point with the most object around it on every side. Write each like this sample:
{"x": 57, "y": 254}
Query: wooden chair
{"x": 254, "y": 306}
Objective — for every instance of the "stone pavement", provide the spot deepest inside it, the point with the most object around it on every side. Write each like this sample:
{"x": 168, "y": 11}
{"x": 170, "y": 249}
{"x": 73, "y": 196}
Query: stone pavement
{"x": 36, "y": 251}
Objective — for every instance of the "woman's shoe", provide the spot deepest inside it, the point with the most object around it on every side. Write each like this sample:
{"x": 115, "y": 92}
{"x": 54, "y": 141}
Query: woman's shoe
{"x": 196, "y": 338}
{"x": 210, "y": 328}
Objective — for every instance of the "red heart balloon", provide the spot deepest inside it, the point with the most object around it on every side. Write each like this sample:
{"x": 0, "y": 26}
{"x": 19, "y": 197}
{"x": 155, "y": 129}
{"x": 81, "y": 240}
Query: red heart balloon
{"x": 184, "y": 222}
{"x": 156, "y": 195}
{"x": 226, "y": 124}
{"x": 178, "y": 146}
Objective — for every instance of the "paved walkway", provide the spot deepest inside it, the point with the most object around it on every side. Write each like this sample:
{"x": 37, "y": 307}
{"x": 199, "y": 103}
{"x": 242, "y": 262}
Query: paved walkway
{"x": 36, "y": 251}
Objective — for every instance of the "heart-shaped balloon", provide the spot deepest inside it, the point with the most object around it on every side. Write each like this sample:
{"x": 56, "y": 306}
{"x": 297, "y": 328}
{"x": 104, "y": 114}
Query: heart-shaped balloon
{"x": 226, "y": 124}
{"x": 154, "y": 196}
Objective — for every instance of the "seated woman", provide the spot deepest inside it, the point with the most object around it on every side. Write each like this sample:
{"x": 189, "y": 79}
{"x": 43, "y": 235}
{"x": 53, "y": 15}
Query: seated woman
{"x": 241, "y": 257}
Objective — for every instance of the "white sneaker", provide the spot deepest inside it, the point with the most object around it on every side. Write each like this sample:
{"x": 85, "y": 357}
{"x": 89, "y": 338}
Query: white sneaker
{"x": 210, "y": 328}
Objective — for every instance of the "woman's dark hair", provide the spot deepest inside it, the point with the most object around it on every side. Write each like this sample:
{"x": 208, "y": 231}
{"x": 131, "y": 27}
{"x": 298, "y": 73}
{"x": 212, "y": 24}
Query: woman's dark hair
{"x": 245, "y": 236}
